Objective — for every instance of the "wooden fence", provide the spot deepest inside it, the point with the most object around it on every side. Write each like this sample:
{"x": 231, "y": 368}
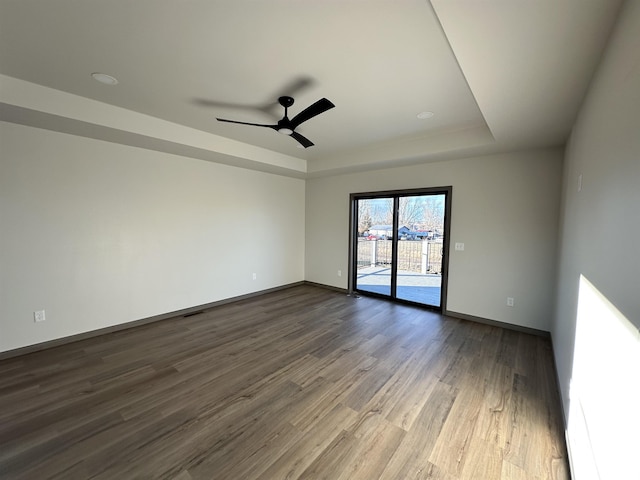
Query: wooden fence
{"x": 413, "y": 255}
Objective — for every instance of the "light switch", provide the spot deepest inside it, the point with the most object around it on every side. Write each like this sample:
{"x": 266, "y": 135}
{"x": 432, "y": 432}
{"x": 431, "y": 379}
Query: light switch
{"x": 459, "y": 246}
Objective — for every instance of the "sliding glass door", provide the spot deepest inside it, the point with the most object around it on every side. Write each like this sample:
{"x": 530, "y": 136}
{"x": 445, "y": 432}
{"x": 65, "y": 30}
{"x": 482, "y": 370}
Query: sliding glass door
{"x": 399, "y": 244}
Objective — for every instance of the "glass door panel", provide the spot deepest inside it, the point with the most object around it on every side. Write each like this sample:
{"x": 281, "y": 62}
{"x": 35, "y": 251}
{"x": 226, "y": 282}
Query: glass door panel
{"x": 374, "y": 245}
{"x": 420, "y": 248}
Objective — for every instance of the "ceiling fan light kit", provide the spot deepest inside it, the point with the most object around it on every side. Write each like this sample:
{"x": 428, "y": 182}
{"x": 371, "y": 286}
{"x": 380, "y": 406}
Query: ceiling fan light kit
{"x": 288, "y": 126}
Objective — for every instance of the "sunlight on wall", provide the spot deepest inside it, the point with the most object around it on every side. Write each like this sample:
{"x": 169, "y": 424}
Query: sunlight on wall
{"x": 604, "y": 413}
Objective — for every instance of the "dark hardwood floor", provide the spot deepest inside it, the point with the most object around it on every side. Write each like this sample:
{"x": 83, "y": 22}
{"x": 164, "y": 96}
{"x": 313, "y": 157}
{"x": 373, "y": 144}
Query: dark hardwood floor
{"x": 303, "y": 383}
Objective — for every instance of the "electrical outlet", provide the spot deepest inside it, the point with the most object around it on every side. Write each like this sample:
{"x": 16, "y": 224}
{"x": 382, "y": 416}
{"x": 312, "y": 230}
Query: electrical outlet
{"x": 39, "y": 316}
{"x": 255, "y": 276}
{"x": 339, "y": 273}
{"x": 509, "y": 301}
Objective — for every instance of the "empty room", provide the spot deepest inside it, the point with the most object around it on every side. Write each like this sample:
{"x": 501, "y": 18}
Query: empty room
{"x": 288, "y": 239}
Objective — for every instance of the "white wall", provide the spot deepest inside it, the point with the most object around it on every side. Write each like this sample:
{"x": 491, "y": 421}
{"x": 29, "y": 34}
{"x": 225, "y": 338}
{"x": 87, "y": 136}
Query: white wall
{"x": 504, "y": 209}
{"x": 598, "y": 306}
{"x": 100, "y": 234}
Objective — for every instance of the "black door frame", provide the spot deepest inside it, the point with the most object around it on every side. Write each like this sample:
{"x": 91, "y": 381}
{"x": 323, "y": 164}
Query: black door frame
{"x": 396, "y": 194}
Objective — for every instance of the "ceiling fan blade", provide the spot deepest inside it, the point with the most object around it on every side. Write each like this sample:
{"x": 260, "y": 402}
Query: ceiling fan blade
{"x": 304, "y": 141}
{"x": 275, "y": 127}
{"x": 311, "y": 111}
{"x": 295, "y": 86}
{"x": 204, "y": 102}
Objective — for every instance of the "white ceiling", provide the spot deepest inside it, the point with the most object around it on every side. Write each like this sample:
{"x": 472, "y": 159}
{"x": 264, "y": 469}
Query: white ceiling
{"x": 497, "y": 74}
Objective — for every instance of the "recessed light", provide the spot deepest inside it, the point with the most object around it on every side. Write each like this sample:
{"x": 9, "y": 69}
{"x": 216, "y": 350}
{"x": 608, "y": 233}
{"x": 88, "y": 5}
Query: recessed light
{"x": 104, "y": 78}
{"x": 423, "y": 115}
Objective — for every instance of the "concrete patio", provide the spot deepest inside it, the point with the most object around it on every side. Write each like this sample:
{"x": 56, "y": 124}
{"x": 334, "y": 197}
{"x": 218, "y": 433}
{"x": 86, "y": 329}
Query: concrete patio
{"x": 412, "y": 286}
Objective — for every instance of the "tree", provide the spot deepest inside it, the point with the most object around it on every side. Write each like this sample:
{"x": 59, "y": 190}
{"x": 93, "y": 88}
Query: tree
{"x": 433, "y": 213}
{"x": 381, "y": 211}
{"x": 364, "y": 216}
{"x": 410, "y": 211}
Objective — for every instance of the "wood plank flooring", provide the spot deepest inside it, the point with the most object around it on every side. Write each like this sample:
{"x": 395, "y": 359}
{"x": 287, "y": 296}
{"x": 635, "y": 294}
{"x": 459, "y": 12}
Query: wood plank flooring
{"x": 303, "y": 383}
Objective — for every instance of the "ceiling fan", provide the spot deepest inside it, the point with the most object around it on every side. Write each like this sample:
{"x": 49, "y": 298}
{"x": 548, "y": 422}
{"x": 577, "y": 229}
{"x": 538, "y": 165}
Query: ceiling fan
{"x": 288, "y": 126}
